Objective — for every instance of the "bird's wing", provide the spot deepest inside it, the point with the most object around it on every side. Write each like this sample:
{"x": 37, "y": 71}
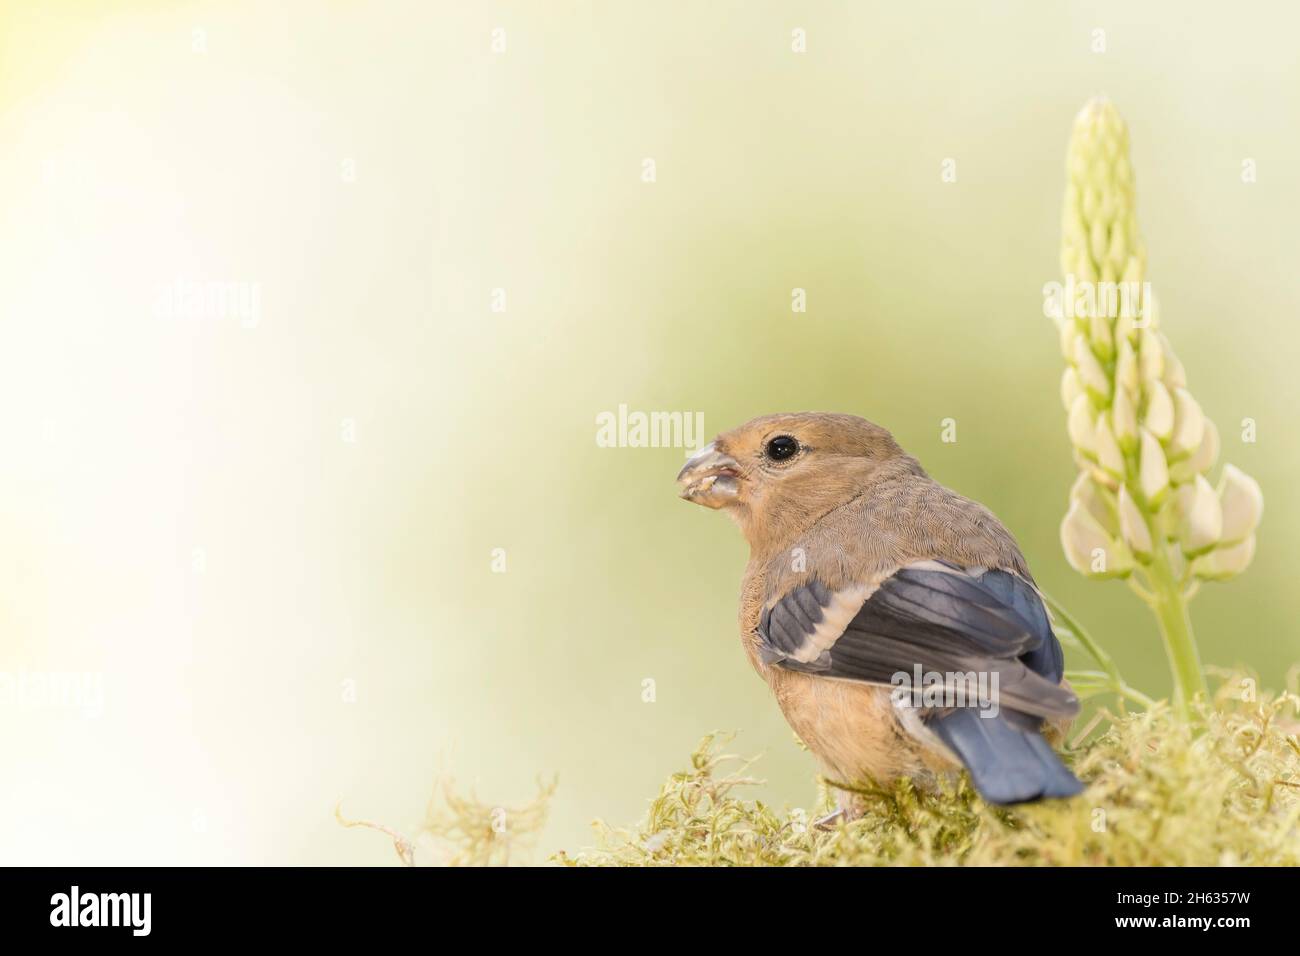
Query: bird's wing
{"x": 936, "y": 615}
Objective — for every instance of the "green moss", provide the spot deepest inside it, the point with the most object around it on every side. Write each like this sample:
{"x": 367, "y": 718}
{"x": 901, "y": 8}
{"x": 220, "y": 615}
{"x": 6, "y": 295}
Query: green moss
{"x": 1222, "y": 790}
{"x": 462, "y": 830}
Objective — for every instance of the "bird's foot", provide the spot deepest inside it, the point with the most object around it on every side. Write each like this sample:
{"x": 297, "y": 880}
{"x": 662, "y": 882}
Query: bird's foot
{"x": 829, "y": 821}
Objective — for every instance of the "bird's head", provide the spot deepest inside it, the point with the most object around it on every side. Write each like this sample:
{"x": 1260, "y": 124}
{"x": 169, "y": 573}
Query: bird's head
{"x": 778, "y": 474}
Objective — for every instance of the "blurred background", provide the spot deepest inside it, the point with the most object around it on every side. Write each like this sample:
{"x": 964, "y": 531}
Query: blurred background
{"x": 309, "y": 308}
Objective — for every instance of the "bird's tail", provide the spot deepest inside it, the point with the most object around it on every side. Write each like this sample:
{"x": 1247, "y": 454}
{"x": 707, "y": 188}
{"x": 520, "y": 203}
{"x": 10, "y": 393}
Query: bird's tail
{"x": 1008, "y": 759}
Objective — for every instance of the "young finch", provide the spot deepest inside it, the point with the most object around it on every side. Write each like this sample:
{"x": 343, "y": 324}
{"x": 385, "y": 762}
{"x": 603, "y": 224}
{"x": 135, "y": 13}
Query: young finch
{"x": 865, "y": 575}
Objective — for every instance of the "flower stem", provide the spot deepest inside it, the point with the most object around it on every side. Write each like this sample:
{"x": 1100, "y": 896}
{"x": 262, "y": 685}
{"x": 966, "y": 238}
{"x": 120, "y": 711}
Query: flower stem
{"x": 1170, "y": 607}
{"x": 1116, "y": 683}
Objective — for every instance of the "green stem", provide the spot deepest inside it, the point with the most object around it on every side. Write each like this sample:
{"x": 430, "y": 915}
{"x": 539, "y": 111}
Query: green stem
{"x": 1170, "y": 607}
{"x": 1107, "y": 663}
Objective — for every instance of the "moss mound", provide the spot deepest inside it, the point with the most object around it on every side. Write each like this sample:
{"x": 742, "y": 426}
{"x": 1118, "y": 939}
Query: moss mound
{"x": 1222, "y": 790}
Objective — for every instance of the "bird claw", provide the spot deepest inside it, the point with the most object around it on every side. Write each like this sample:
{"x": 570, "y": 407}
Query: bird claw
{"x": 828, "y": 822}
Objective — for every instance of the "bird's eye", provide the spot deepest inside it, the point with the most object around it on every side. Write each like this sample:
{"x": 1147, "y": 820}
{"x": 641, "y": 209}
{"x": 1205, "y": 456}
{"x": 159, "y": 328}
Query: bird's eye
{"x": 782, "y": 447}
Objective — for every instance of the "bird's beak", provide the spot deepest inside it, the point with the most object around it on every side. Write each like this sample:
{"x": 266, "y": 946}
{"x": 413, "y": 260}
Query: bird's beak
{"x": 710, "y": 478}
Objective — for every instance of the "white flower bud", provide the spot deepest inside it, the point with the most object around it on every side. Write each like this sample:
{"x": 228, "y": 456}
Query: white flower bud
{"x": 1091, "y": 374}
{"x": 1159, "y": 418}
{"x": 1152, "y": 356}
{"x": 1189, "y": 425}
{"x": 1124, "y": 415}
{"x": 1202, "y": 460}
{"x": 1082, "y": 426}
{"x": 1068, "y": 331}
{"x": 1223, "y": 563}
{"x": 1084, "y": 271}
{"x": 1099, "y": 331}
{"x": 1166, "y": 519}
{"x": 1200, "y": 518}
{"x": 1109, "y": 455}
{"x": 1070, "y": 387}
{"x": 1103, "y": 477}
{"x": 1135, "y": 268}
{"x": 1242, "y": 503}
{"x": 1089, "y": 549}
{"x": 1153, "y": 470}
{"x": 1175, "y": 376}
{"x": 1097, "y": 238}
{"x": 1133, "y": 526}
{"x": 1118, "y": 251}
{"x": 1099, "y": 501}
{"x": 1126, "y": 368}
{"x": 1125, "y": 326}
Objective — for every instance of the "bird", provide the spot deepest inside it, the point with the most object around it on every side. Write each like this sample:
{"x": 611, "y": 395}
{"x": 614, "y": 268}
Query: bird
{"x": 865, "y": 574}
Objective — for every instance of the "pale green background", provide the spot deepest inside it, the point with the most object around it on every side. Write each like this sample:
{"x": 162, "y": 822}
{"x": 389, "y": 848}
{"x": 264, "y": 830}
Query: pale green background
{"x": 130, "y": 440}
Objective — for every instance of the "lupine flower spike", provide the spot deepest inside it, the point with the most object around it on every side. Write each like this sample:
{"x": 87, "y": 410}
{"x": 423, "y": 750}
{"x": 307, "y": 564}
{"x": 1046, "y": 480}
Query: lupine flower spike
{"x": 1142, "y": 508}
